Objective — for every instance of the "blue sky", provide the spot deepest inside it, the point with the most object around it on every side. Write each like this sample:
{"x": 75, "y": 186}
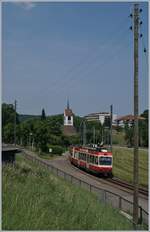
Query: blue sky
{"x": 83, "y": 51}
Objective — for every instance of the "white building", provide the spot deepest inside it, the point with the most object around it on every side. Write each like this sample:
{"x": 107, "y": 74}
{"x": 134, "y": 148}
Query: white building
{"x": 101, "y": 116}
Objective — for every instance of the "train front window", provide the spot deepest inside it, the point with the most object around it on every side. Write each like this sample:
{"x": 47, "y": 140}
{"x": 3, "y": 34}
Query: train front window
{"x": 105, "y": 160}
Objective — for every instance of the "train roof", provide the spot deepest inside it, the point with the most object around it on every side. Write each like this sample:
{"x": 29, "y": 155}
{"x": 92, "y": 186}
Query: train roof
{"x": 93, "y": 149}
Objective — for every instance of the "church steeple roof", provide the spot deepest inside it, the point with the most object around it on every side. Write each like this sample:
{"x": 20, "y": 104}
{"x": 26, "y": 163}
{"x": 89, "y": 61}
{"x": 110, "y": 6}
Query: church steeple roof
{"x": 68, "y": 111}
{"x": 68, "y": 104}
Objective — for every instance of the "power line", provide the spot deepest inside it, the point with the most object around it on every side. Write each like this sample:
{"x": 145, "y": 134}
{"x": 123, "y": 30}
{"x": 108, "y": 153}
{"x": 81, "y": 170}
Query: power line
{"x": 109, "y": 57}
{"x": 105, "y": 59}
{"x": 15, "y": 108}
{"x": 88, "y": 58}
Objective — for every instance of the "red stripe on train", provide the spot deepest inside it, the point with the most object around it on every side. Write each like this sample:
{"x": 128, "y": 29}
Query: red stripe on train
{"x": 100, "y": 169}
{"x": 82, "y": 164}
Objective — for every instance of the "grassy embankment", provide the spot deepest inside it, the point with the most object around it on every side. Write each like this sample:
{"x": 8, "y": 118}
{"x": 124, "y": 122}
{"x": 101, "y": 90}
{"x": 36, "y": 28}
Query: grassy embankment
{"x": 123, "y": 165}
{"x": 34, "y": 199}
{"x": 119, "y": 138}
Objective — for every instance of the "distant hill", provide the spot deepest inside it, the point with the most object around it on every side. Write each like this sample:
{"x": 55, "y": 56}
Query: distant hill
{"x": 24, "y": 117}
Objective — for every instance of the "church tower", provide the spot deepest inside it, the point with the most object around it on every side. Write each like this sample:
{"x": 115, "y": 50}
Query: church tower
{"x": 68, "y": 128}
{"x": 68, "y": 115}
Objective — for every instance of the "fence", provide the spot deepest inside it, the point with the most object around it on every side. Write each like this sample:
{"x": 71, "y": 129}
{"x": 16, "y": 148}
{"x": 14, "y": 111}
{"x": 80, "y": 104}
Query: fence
{"x": 105, "y": 196}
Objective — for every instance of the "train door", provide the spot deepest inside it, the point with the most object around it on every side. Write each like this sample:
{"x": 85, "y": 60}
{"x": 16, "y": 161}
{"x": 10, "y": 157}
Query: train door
{"x": 87, "y": 161}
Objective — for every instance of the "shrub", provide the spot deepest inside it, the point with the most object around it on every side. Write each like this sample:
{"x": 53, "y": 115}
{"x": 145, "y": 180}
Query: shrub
{"x": 56, "y": 149}
{"x": 75, "y": 139}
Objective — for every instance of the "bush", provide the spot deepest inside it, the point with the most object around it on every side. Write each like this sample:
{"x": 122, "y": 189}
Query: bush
{"x": 115, "y": 142}
{"x": 56, "y": 149}
{"x": 74, "y": 139}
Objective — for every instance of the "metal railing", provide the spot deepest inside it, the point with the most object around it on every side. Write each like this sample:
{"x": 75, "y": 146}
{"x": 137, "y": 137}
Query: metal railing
{"x": 107, "y": 197}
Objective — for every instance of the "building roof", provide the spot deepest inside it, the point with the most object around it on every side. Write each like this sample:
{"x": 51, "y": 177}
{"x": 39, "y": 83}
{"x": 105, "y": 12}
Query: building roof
{"x": 97, "y": 114}
{"x": 129, "y": 117}
{"x": 68, "y": 112}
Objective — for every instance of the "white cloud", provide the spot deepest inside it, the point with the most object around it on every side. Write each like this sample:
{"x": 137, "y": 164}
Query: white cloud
{"x": 26, "y": 5}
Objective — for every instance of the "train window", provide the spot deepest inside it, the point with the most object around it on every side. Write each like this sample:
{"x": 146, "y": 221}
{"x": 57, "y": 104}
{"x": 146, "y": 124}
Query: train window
{"x": 79, "y": 155}
{"x": 88, "y": 158}
{"x": 91, "y": 159}
{"x": 76, "y": 154}
{"x": 96, "y": 160}
{"x": 82, "y": 156}
{"x": 103, "y": 160}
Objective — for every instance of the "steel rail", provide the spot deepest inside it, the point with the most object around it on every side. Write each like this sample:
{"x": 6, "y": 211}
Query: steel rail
{"x": 114, "y": 181}
{"x": 143, "y": 191}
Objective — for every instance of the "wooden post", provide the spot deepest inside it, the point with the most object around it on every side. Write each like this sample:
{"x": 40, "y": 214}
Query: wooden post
{"x": 136, "y": 134}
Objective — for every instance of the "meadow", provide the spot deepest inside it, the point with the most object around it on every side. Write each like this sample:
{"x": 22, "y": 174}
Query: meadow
{"x": 123, "y": 165}
{"x": 35, "y": 199}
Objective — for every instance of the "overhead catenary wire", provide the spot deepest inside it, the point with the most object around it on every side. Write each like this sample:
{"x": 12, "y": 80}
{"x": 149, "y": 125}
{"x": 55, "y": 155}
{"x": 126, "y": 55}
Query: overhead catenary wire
{"x": 144, "y": 73}
{"x": 89, "y": 54}
{"x": 107, "y": 58}
{"x": 143, "y": 87}
{"x": 74, "y": 82}
{"x": 87, "y": 59}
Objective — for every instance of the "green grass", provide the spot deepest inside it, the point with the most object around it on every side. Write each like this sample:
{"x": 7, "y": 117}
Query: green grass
{"x": 119, "y": 138}
{"x": 34, "y": 199}
{"x": 123, "y": 165}
{"x": 43, "y": 155}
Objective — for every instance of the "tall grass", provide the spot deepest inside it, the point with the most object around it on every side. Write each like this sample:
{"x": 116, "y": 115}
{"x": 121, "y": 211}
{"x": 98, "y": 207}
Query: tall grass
{"x": 34, "y": 199}
{"x": 119, "y": 138}
{"x": 123, "y": 165}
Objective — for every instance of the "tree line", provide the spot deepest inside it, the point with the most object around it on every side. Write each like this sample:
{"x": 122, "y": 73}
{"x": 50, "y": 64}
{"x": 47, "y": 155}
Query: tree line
{"x": 46, "y": 132}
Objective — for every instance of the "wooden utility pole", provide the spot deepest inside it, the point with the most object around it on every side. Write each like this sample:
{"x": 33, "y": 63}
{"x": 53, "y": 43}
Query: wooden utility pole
{"x": 136, "y": 133}
{"x": 84, "y": 133}
{"x": 111, "y": 118}
{"x": 94, "y": 135}
{"x": 15, "y": 124}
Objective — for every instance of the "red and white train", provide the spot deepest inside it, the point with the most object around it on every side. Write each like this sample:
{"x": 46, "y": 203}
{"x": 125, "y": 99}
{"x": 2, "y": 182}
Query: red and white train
{"x": 97, "y": 160}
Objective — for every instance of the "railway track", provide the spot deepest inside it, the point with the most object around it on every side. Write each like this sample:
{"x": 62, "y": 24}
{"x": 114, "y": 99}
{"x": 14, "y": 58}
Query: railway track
{"x": 124, "y": 184}
{"x": 115, "y": 182}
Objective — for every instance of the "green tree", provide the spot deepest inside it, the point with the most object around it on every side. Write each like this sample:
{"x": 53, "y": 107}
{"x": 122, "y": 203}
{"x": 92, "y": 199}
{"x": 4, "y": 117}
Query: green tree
{"x": 77, "y": 122}
{"x": 129, "y": 131}
{"x": 43, "y": 116}
{"x": 24, "y": 133}
{"x": 8, "y": 133}
{"x": 41, "y": 135}
{"x": 143, "y": 129}
{"x": 8, "y": 119}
